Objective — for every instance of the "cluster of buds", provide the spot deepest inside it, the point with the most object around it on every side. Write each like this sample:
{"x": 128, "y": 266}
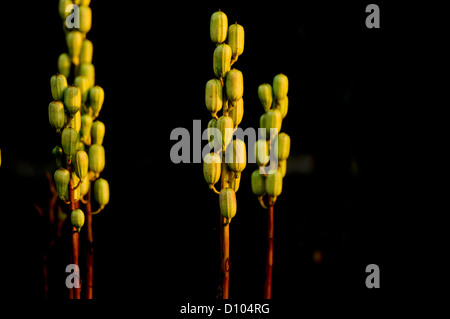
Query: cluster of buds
{"x": 224, "y": 92}
{"x": 73, "y": 113}
{"x": 272, "y": 150}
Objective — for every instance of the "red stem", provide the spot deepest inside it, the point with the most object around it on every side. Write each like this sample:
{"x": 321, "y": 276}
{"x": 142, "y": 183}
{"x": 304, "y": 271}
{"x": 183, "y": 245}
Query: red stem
{"x": 269, "y": 260}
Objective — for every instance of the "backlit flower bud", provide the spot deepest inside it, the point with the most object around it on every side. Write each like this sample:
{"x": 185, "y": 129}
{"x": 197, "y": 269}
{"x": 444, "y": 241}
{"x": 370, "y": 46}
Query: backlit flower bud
{"x": 226, "y": 128}
{"x": 101, "y": 192}
{"x": 96, "y": 158}
{"x": 82, "y": 82}
{"x": 213, "y": 96}
{"x": 258, "y": 183}
{"x": 282, "y": 146}
{"x": 69, "y": 138}
{"x": 72, "y": 99}
{"x": 262, "y": 152}
{"x": 64, "y": 64}
{"x": 282, "y": 165}
{"x": 85, "y": 19}
{"x": 97, "y": 132}
{"x": 76, "y": 191}
{"x": 75, "y": 122}
{"x": 218, "y": 27}
{"x": 211, "y": 168}
{"x": 86, "y": 125}
{"x": 74, "y": 41}
{"x": 62, "y": 8}
{"x": 274, "y": 183}
{"x": 265, "y": 96}
{"x": 77, "y": 219}
{"x": 237, "y": 113}
{"x": 227, "y": 201}
{"x": 280, "y": 86}
{"x": 234, "y": 85}
{"x": 96, "y": 97}
{"x": 58, "y": 154}
{"x": 222, "y": 60}
{"x": 87, "y": 51}
{"x": 56, "y": 115}
{"x": 62, "y": 178}
{"x": 88, "y": 70}
{"x": 236, "y": 156}
{"x": 214, "y": 144}
{"x": 236, "y": 39}
{"x": 282, "y": 106}
{"x": 235, "y": 182}
{"x": 272, "y": 121}
{"x": 81, "y": 164}
{"x": 58, "y": 84}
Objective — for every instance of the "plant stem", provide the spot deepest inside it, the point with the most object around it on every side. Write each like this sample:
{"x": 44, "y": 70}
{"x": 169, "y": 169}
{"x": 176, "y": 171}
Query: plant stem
{"x": 269, "y": 260}
{"x": 75, "y": 238}
{"x": 224, "y": 235}
{"x": 90, "y": 248}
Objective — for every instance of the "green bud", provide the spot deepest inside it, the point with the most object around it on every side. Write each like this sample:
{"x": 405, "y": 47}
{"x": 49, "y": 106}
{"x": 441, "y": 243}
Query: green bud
{"x": 56, "y": 115}
{"x": 282, "y": 165}
{"x": 58, "y": 84}
{"x": 225, "y": 126}
{"x": 74, "y": 41}
{"x": 227, "y": 201}
{"x": 87, "y": 51}
{"x": 85, "y": 19}
{"x": 96, "y": 158}
{"x": 280, "y": 86}
{"x": 86, "y": 125}
{"x": 235, "y": 181}
{"x": 234, "y": 86}
{"x": 218, "y": 27}
{"x": 76, "y": 192}
{"x": 62, "y": 178}
{"x": 62, "y": 8}
{"x": 222, "y": 60}
{"x": 101, "y": 192}
{"x": 97, "y": 132}
{"x": 64, "y": 64}
{"x": 262, "y": 152}
{"x": 274, "y": 184}
{"x": 85, "y": 2}
{"x": 212, "y": 168}
{"x": 236, "y": 39}
{"x": 58, "y": 154}
{"x": 72, "y": 99}
{"x": 81, "y": 164}
{"x": 77, "y": 219}
{"x": 84, "y": 187}
{"x": 282, "y": 106}
{"x": 258, "y": 183}
{"x": 69, "y": 138}
{"x": 96, "y": 97}
{"x": 237, "y": 113}
{"x": 214, "y": 144}
{"x": 88, "y": 70}
{"x": 213, "y": 96}
{"x": 265, "y": 96}
{"x": 75, "y": 122}
{"x": 236, "y": 156}
{"x": 282, "y": 146}
{"x": 272, "y": 120}
{"x": 82, "y": 82}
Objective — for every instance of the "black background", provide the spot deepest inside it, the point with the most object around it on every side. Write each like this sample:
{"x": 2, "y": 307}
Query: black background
{"x": 355, "y": 107}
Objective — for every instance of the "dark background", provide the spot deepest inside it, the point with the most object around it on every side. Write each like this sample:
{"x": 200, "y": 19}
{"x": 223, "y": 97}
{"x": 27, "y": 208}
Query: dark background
{"x": 353, "y": 112}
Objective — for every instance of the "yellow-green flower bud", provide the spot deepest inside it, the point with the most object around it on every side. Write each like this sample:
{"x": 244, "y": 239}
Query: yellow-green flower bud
{"x": 282, "y": 106}
{"x": 64, "y": 64}
{"x": 96, "y": 97}
{"x": 218, "y": 27}
{"x": 274, "y": 184}
{"x": 84, "y": 187}
{"x": 282, "y": 146}
{"x": 262, "y": 152}
{"x": 85, "y": 2}
{"x": 58, "y": 154}
{"x": 75, "y": 122}
{"x": 74, "y": 41}
{"x": 56, "y": 115}
{"x": 236, "y": 156}
{"x": 265, "y": 96}
{"x": 213, "y": 96}
{"x": 69, "y": 138}
{"x": 236, "y": 39}
{"x": 88, "y": 70}
{"x": 81, "y": 164}
{"x": 227, "y": 201}
{"x": 76, "y": 191}
{"x": 235, "y": 182}
{"x": 82, "y": 82}
{"x": 216, "y": 145}
{"x": 101, "y": 192}
{"x": 77, "y": 219}
{"x": 58, "y": 84}
{"x": 282, "y": 165}
{"x": 280, "y": 86}
{"x": 258, "y": 183}
{"x": 226, "y": 127}
{"x": 237, "y": 113}
{"x": 96, "y": 158}
{"x": 62, "y": 8}
{"x": 85, "y": 19}
{"x": 272, "y": 120}
{"x": 234, "y": 86}
{"x": 87, "y": 51}
{"x": 222, "y": 60}
{"x": 86, "y": 125}
{"x": 97, "y": 132}
{"x": 62, "y": 178}
{"x": 212, "y": 168}
{"x": 72, "y": 99}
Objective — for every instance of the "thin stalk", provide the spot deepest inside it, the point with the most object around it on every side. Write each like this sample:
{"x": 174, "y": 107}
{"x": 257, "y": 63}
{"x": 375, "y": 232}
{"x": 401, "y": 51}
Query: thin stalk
{"x": 224, "y": 236}
{"x": 75, "y": 239}
{"x": 90, "y": 248}
{"x": 269, "y": 259}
